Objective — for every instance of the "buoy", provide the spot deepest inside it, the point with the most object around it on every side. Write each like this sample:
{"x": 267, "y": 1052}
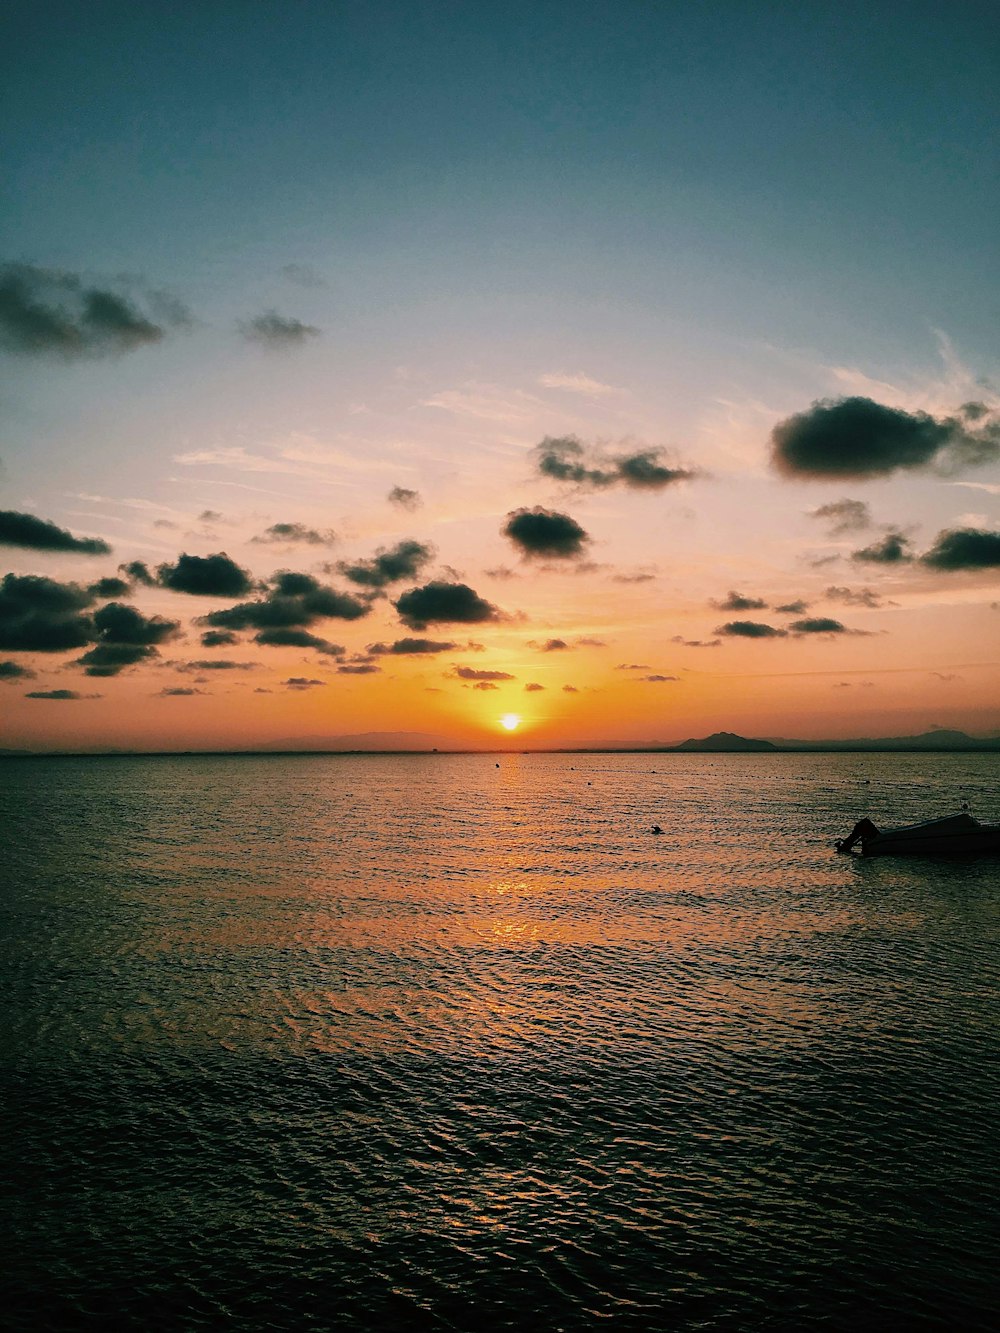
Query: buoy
{"x": 656, "y": 829}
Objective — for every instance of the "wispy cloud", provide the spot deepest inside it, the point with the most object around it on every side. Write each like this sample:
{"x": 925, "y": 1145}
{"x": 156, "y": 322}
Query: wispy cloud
{"x": 578, "y": 383}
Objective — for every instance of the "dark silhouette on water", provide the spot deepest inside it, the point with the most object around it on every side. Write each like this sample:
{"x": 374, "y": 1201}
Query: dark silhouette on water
{"x": 954, "y": 835}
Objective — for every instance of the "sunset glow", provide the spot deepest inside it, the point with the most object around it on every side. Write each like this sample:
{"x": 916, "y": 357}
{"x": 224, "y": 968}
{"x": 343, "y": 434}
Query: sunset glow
{"x": 510, "y": 722}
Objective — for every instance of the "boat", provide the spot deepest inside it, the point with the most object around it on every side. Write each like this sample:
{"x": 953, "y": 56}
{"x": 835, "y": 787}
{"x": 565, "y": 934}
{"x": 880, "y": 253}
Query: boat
{"x": 954, "y": 835}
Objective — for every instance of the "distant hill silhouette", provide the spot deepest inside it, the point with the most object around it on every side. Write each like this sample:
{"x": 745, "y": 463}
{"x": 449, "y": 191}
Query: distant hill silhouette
{"x": 725, "y": 740}
{"x": 938, "y": 739}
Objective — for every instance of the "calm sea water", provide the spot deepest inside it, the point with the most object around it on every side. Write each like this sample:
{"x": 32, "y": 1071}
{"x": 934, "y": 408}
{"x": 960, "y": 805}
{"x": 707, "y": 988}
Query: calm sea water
{"x": 431, "y": 1043}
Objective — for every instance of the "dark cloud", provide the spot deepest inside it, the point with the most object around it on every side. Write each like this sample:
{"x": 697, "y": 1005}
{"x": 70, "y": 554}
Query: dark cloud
{"x": 736, "y": 601}
{"x": 297, "y": 638}
{"x": 359, "y": 669}
{"x": 695, "y": 643}
{"x": 110, "y": 587}
{"x": 43, "y": 312}
{"x": 295, "y": 534}
{"x": 209, "y": 516}
{"x": 586, "y": 642}
{"x": 14, "y": 671}
{"x": 659, "y": 680}
{"x": 749, "y": 629}
{"x": 797, "y": 608}
{"x": 138, "y": 572}
{"x": 301, "y": 683}
{"x": 501, "y": 572}
{"x": 215, "y": 664}
{"x": 857, "y": 437}
{"x": 59, "y": 694}
{"x": 564, "y": 458}
{"x": 632, "y": 666}
{"x": 411, "y": 647}
{"x": 640, "y": 577}
{"x": 110, "y": 659}
{"x": 444, "y": 603}
{"x": 178, "y": 692}
{"x": 164, "y": 523}
{"x": 818, "y": 625}
{"x": 38, "y": 534}
{"x": 117, "y": 623}
{"x": 485, "y": 685}
{"x": 277, "y": 331}
{"x": 570, "y": 689}
{"x": 844, "y": 516}
{"x": 404, "y": 498}
{"x": 964, "y": 548}
{"x": 550, "y": 646}
{"x": 404, "y": 561}
{"x": 852, "y": 596}
{"x": 219, "y": 638}
{"x": 471, "y": 673}
{"x": 891, "y": 550}
{"x": 533, "y": 686}
{"x": 543, "y": 532}
{"x": 205, "y": 576}
{"x": 37, "y": 614}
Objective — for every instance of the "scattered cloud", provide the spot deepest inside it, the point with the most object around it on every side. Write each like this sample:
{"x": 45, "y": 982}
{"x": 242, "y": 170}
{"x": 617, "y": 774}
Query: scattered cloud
{"x": 302, "y": 683}
{"x": 303, "y": 275}
{"x": 659, "y": 680}
{"x": 277, "y": 332}
{"x": 964, "y": 548}
{"x": 295, "y": 534}
{"x": 444, "y": 603}
{"x": 565, "y": 458}
{"x": 844, "y": 516}
{"x": 110, "y": 659}
{"x": 297, "y": 638}
{"x": 483, "y": 685}
{"x": 532, "y": 687}
{"x": 694, "y": 643}
{"x": 138, "y": 571}
{"x": 205, "y": 576}
{"x": 579, "y": 383}
{"x": 797, "y": 608}
{"x": 219, "y": 638}
{"x": 178, "y": 691}
{"x": 14, "y": 671}
{"x": 852, "y": 596}
{"x": 214, "y": 664}
{"x": 411, "y": 647}
{"x": 891, "y": 550}
{"x": 403, "y": 498}
{"x": 545, "y": 533}
{"x": 818, "y": 625}
{"x": 38, "y": 614}
{"x": 472, "y": 673}
{"x": 549, "y": 646}
{"x": 359, "y": 669}
{"x": 110, "y": 587}
{"x": 404, "y": 561}
{"x": 587, "y": 642}
{"x": 859, "y": 438}
{"x": 737, "y": 601}
{"x": 570, "y": 689}
{"x": 47, "y": 312}
{"x": 59, "y": 694}
{"x": 749, "y": 629}
{"x": 38, "y": 534}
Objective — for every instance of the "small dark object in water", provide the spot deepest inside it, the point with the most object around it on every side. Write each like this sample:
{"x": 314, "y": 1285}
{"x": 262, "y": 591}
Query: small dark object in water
{"x": 656, "y": 829}
{"x": 955, "y": 835}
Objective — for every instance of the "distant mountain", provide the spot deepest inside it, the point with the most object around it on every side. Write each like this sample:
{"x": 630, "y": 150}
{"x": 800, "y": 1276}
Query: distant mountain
{"x": 725, "y": 741}
{"x": 417, "y": 741}
{"x": 939, "y": 739}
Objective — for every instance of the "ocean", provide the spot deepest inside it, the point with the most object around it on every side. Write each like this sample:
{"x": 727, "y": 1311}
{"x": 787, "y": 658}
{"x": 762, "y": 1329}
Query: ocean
{"x": 454, "y": 1042}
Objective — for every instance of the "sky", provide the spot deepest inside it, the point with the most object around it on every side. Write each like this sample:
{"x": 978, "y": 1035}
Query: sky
{"x": 536, "y": 375}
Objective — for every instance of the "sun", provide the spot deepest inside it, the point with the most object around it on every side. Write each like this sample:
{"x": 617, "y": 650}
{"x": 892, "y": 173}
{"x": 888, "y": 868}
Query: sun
{"x": 510, "y": 722}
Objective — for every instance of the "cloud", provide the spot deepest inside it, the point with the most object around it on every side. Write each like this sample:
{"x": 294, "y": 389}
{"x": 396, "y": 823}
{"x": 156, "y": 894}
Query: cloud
{"x": 59, "y": 694}
{"x": 411, "y": 647}
{"x": 295, "y": 534}
{"x": 641, "y": 576}
{"x": 14, "y": 671}
{"x": 205, "y": 576}
{"x": 219, "y": 638}
{"x": 964, "y": 548}
{"x": 695, "y": 643}
{"x": 293, "y": 602}
{"x": 301, "y": 683}
{"x": 444, "y": 603}
{"x": 857, "y": 437}
{"x": 39, "y": 615}
{"x": 138, "y": 572}
{"x": 117, "y": 623}
{"x": 749, "y": 629}
{"x": 210, "y": 516}
{"x": 659, "y": 680}
{"x": 891, "y": 550}
{"x": 570, "y": 689}
{"x": 484, "y": 685}
{"x": 177, "y": 692}
{"x": 844, "y": 516}
{"x": 545, "y": 533}
{"x": 736, "y": 601}
{"x": 404, "y": 561}
{"x": 852, "y": 596}
{"x": 43, "y": 312}
{"x": 109, "y": 659}
{"x": 277, "y": 332}
{"x": 297, "y": 638}
{"x": 584, "y": 384}
{"x": 796, "y": 608}
{"x": 587, "y": 642}
{"x": 532, "y": 687}
{"x": 819, "y": 625}
{"x": 215, "y": 664}
{"x": 403, "y": 498}
{"x": 110, "y": 587}
{"x": 471, "y": 673}
{"x": 565, "y": 458}
{"x": 550, "y": 646}
{"x": 303, "y": 275}
{"x": 38, "y": 534}
{"x": 632, "y": 666}
{"x": 359, "y": 669}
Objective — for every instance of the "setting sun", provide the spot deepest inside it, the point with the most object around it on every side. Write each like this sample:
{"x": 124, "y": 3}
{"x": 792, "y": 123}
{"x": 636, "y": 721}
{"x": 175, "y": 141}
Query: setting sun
{"x": 510, "y": 721}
